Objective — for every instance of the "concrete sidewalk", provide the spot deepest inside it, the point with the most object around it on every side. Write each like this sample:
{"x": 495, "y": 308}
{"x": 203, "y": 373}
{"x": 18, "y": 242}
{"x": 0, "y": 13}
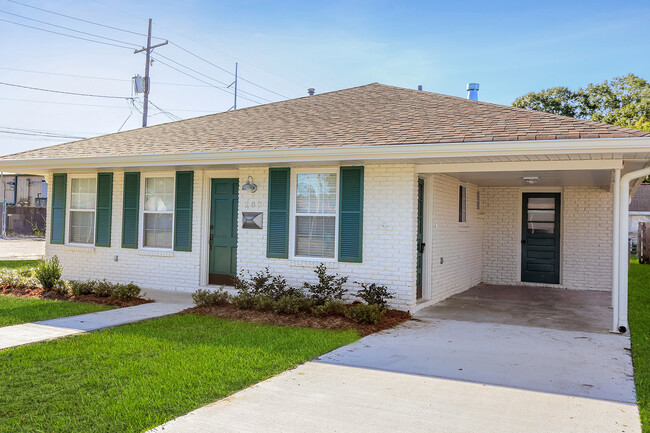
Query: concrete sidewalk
{"x": 17, "y": 335}
{"x": 22, "y": 249}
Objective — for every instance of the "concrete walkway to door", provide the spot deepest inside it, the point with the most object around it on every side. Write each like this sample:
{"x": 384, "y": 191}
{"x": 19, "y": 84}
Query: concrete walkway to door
{"x": 444, "y": 375}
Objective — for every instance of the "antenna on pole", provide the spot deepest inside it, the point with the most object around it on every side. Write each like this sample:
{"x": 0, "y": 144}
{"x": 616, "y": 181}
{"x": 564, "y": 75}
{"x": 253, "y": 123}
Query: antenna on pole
{"x": 146, "y": 87}
{"x": 234, "y": 107}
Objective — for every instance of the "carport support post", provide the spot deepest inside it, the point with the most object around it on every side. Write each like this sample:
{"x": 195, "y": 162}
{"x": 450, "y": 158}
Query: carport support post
{"x": 615, "y": 250}
{"x": 623, "y": 258}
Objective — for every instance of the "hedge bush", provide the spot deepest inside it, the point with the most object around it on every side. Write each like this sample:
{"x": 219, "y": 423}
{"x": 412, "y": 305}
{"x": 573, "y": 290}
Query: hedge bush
{"x": 209, "y": 298}
{"x": 48, "y": 272}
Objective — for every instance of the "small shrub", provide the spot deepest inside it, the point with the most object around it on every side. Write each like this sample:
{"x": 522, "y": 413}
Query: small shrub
{"x": 329, "y": 287}
{"x": 366, "y": 314}
{"x": 374, "y": 294}
{"x": 62, "y": 287}
{"x": 83, "y": 287}
{"x": 124, "y": 292}
{"x": 208, "y": 298}
{"x": 48, "y": 272}
{"x": 263, "y": 303}
{"x": 104, "y": 288}
{"x": 244, "y": 300}
{"x": 241, "y": 284}
{"x": 18, "y": 278}
{"x": 330, "y": 308}
{"x": 293, "y": 304}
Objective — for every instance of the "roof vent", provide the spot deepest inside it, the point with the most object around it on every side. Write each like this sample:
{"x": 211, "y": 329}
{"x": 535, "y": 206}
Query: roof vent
{"x": 472, "y": 91}
{"x": 419, "y": 86}
{"x": 311, "y": 91}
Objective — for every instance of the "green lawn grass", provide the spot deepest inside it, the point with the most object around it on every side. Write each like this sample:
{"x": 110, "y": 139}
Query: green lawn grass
{"x": 14, "y": 310}
{"x": 18, "y": 264}
{"x": 134, "y": 377}
{"x": 639, "y": 317}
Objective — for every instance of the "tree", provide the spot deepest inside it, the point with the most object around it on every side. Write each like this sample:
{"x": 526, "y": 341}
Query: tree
{"x": 623, "y": 101}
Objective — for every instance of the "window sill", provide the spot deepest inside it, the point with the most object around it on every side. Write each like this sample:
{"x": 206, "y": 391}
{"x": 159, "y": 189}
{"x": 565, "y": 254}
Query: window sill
{"x": 80, "y": 248}
{"x": 155, "y": 253}
{"x": 310, "y": 262}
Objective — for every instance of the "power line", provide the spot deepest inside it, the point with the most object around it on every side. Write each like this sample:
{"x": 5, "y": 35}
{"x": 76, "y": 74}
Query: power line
{"x": 90, "y": 77}
{"x": 40, "y": 135}
{"x": 65, "y": 34}
{"x": 81, "y": 19}
{"x": 64, "y": 92}
{"x": 171, "y": 116}
{"x": 68, "y": 28}
{"x": 44, "y": 131}
{"x": 198, "y": 79}
{"x": 213, "y": 79}
{"x": 95, "y": 105}
{"x": 227, "y": 71}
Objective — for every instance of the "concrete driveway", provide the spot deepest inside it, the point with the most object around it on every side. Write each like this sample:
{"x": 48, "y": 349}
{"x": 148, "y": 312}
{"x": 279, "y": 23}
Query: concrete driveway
{"x": 438, "y": 375}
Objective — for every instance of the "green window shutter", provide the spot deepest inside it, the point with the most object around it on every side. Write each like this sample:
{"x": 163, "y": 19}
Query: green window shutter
{"x": 183, "y": 211}
{"x": 277, "y": 238}
{"x": 57, "y": 227}
{"x": 131, "y": 210}
{"x": 351, "y": 215}
{"x": 104, "y": 211}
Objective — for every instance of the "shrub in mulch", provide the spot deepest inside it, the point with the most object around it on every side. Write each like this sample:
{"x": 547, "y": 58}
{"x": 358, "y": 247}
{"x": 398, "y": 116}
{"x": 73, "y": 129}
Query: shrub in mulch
{"x": 39, "y": 292}
{"x": 266, "y": 298}
{"x": 389, "y": 319}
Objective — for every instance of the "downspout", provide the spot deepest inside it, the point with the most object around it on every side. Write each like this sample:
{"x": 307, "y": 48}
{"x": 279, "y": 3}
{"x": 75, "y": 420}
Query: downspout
{"x": 623, "y": 259}
{"x": 615, "y": 249}
{"x": 15, "y": 190}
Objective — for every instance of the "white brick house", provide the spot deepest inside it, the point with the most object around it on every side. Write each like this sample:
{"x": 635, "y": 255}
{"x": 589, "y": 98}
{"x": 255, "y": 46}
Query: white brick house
{"x": 425, "y": 193}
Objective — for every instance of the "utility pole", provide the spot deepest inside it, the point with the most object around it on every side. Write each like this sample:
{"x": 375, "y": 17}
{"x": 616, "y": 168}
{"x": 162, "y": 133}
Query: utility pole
{"x": 234, "y": 107}
{"x": 148, "y": 50}
{"x": 4, "y": 204}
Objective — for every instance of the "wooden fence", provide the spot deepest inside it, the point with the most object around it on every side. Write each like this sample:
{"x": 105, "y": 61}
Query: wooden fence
{"x": 24, "y": 220}
{"x": 643, "y": 244}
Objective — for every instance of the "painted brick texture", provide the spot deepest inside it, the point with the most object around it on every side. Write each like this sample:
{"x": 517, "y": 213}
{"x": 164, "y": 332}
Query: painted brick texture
{"x": 458, "y": 244}
{"x": 586, "y": 237}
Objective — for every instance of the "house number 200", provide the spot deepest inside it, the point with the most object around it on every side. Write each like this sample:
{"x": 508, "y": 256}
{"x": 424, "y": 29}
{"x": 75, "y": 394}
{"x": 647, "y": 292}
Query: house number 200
{"x": 251, "y": 204}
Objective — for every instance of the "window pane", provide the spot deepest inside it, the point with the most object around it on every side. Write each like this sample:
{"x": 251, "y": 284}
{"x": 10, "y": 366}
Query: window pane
{"x": 83, "y": 193}
{"x": 543, "y": 228}
{"x": 315, "y": 236}
{"x": 157, "y": 230}
{"x": 541, "y": 215}
{"x": 82, "y": 227}
{"x": 462, "y": 204}
{"x": 316, "y": 193}
{"x": 541, "y": 203}
{"x": 159, "y": 194}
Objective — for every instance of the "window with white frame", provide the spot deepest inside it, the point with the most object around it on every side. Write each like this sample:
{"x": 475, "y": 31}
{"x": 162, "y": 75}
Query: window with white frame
{"x": 316, "y": 210}
{"x": 158, "y": 212}
{"x": 83, "y": 198}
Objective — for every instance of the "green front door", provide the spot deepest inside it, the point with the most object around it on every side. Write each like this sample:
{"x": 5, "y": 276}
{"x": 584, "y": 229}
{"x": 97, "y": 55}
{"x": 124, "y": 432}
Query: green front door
{"x": 420, "y": 237}
{"x": 223, "y": 230}
{"x": 540, "y": 239}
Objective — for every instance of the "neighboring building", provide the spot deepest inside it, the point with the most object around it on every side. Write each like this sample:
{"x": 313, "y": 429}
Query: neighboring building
{"x": 639, "y": 210}
{"x": 426, "y": 193}
{"x": 23, "y": 190}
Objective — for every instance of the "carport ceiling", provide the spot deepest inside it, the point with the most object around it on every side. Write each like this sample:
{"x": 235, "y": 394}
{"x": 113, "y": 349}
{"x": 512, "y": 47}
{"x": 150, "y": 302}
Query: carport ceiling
{"x": 597, "y": 178}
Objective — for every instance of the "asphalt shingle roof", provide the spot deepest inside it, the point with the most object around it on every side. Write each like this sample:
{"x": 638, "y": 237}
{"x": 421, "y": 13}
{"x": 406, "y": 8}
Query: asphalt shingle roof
{"x": 370, "y": 115}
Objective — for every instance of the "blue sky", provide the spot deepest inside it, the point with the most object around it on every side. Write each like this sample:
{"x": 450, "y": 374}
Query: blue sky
{"x": 509, "y": 47}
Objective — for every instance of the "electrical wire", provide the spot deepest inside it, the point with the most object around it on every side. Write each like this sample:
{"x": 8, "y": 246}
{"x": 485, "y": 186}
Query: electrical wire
{"x": 68, "y": 28}
{"x": 171, "y": 116}
{"x": 81, "y": 19}
{"x": 93, "y": 105}
{"x": 40, "y": 135}
{"x": 213, "y": 79}
{"x": 64, "y": 92}
{"x": 203, "y": 81}
{"x": 65, "y": 34}
{"x": 227, "y": 71}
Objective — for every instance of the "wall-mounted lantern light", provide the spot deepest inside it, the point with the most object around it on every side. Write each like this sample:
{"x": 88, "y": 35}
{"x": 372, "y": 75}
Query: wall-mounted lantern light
{"x": 249, "y": 185}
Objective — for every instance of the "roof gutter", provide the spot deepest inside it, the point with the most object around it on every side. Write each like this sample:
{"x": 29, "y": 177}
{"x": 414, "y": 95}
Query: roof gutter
{"x": 348, "y": 153}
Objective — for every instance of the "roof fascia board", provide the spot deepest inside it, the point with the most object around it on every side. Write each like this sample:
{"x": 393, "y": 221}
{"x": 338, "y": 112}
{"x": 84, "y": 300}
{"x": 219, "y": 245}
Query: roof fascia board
{"x": 598, "y": 164}
{"x": 351, "y": 153}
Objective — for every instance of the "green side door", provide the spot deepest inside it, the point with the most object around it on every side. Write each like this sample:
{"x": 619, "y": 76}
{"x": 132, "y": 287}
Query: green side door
{"x": 540, "y": 239}
{"x": 223, "y": 230}
{"x": 420, "y": 237}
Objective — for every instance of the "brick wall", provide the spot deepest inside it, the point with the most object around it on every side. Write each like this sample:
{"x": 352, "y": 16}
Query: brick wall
{"x": 586, "y": 237}
{"x": 458, "y": 244}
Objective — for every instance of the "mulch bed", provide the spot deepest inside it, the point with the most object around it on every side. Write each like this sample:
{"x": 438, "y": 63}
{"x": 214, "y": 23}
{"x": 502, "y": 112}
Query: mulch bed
{"x": 52, "y": 295}
{"x": 390, "y": 319}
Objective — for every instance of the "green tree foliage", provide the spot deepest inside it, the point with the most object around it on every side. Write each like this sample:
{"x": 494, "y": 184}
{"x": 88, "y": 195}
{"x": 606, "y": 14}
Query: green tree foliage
{"x": 622, "y": 101}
